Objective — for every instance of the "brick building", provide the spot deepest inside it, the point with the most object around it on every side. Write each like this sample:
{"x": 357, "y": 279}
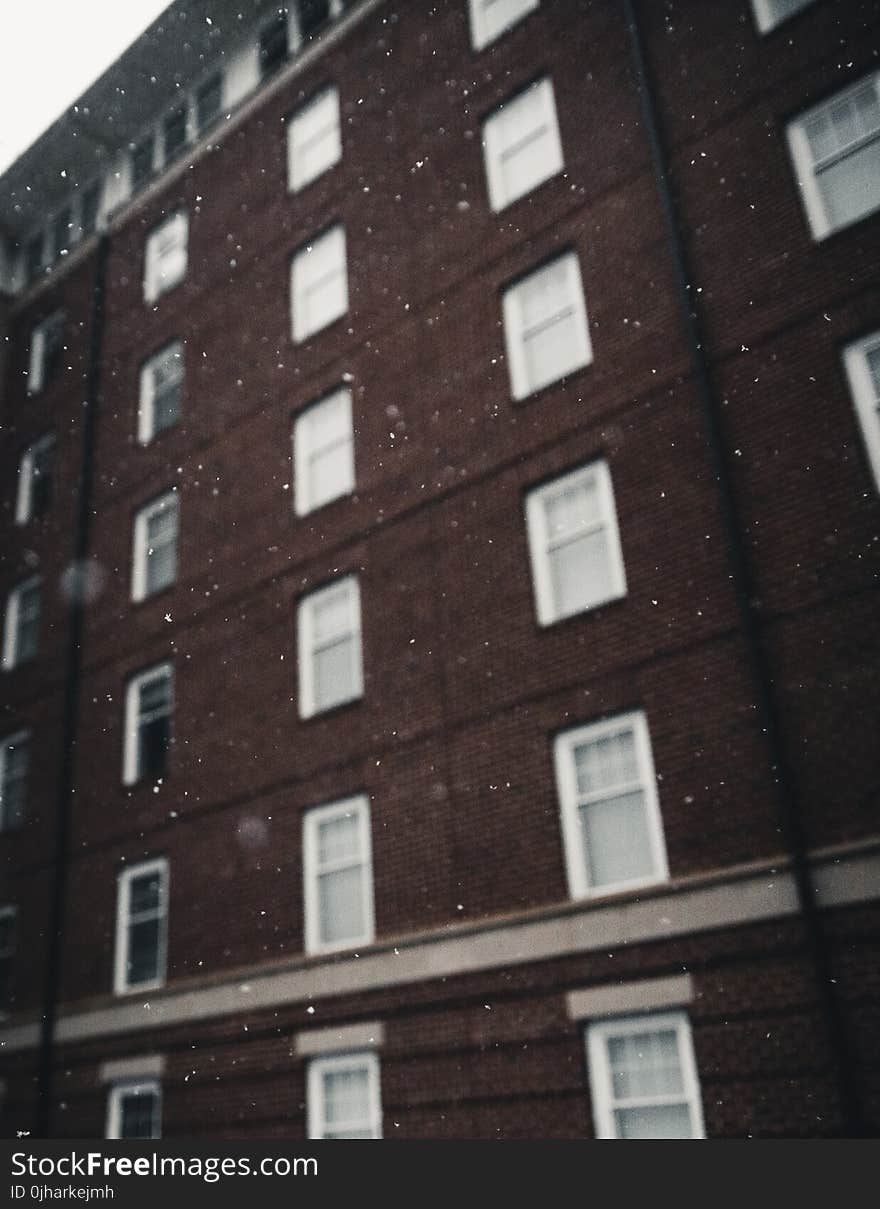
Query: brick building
{"x": 440, "y": 458}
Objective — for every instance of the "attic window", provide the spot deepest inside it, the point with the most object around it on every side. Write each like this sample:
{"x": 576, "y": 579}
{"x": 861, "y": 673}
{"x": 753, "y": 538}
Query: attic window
{"x": 312, "y": 15}
{"x": 273, "y": 44}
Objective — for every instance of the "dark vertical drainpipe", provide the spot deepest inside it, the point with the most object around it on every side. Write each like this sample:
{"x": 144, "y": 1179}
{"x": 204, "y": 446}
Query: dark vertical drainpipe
{"x": 73, "y": 671}
{"x": 742, "y": 581}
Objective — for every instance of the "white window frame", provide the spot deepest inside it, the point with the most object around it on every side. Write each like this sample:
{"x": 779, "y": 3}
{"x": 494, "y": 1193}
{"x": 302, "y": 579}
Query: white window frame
{"x": 516, "y": 331}
{"x": 9, "y": 911}
{"x": 598, "y": 1035}
{"x": 12, "y": 623}
{"x": 130, "y": 771}
{"x": 304, "y": 451}
{"x": 175, "y": 228}
{"x": 541, "y": 544}
{"x": 865, "y": 400}
{"x": 18, "y": 739}
{"x": 317, "y": 1125}
{"x": 25, "y": 494}
{"x": 359, "y": 806}
{"x": 306, "y": 644}
{"x": 540, "y": 93}
{"x": 766, "y": 17}
{"x": 806, "y": 168}
{"x": 172, "y": 351}
{"x": 167, "y": 501}
{"x": 300, "y": 327}
{"x": 484, "y": 31}
{"x": 296, "y": 179}
{"x": 36, "y": 380}
{"x": 564, "y": 745}
{"x": 121, "y": 985}
{"x": 132, "y": 1087}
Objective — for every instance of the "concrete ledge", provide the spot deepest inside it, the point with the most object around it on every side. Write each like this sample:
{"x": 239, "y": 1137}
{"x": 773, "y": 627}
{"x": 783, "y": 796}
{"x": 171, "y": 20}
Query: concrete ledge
{"x": 335, "y": 1040}
{"x": 144, "y": 1066}
{"x": 646, "y": 996}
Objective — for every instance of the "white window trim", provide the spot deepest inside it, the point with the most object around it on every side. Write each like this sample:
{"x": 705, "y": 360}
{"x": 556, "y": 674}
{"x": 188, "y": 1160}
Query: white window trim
{"x": 866, "y": 403}
{"x": 766, "y": 19}
{"x": 295, "y": 183}
{"x": 481, "y": 33}
{"x": 564, "y": 744}
{"x": 11, "y": 657}
{"x": 147, "y": 392}
{"x": 805, "y": 166}
{"x": 24, "y": 495}
{"x": 300, "y": 332}
{"x": 37, "y": 353}
{"x": 358, "y": 805}
{"x": 152, "y": 1087}
{"x": 514, "y": 330}
{"x": 318, "y": 1067}
{"x": 305, "y": 628}
{"x": 142, "y": 518}
{"x": 132, "y": 701}
{"x": 492, "y": 151}
{"x": 539, "y": 543}
{"x": 154, "y": 285}
{"x": 120, "y": 974}
{"x": 302, "y": 501}
{"x": 598, "y": 1035}
{"x": 17, "y": 738}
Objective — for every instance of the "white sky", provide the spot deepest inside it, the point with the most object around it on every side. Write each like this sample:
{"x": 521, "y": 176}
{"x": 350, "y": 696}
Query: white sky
{"x": 50, "y": 51}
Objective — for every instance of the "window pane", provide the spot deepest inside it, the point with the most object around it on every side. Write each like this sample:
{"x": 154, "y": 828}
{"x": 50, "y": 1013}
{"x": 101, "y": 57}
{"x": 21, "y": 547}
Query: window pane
{"x": 330, "y": 614}
{"x": 338, "y": 838}
{"x": 331, "y": 474}
{"x": 346, "y": 1096}
{"x": 340, "y": 904}
{"x": 143, "y": 951}
{"x": 13, "y": 785}
{"x": 145, "y": 894}
{"x": 571, "y": 508}
{"x": 175, "y": 132}
{"x": 851, "y": 187}
{"x": 657, "y": 1121}
{"x": 873, "y": 359}
{"x": 154, "y": 738}
{"x": 334, "y": 673}
{"x": 155, "y": 694}
{"x": 208, "y": 102}
{"x": 616, "y": 840}
{"x": 554, "y": 349}
{"x": 137, "y": 1115}
{"x": 605, "y": 763}
{"x": 645, "y": 1064}
{"x": 580, "y": 573}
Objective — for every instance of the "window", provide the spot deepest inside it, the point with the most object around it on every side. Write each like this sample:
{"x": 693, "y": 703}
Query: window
{"x": 35, "y": 480}
{"x": 319, "y": 283}
{"x": 165, "y": 258}
{"x": 323, "y": 452}
{"x": 160, "y": 391}
{"x": 330, "y": 667}
{"x": 273, "y": 43}
{"x": 611, "y": 824}
{"x": 313, "y": 14}
{"x": 577, "y": 563}
{"x": 862, "y": 363}
{"x": 344, "y": 1100}
{"x": 338, "y": 876}
{"x": 154, "y": 561}
{"x": 770, "y": 13}
{"x": 643, "y": 1078}
{"x": 62, "y": 231}
{"x": 14, "y": 759}
{"x": 33, "y": 256}
{"x": 208, "y": 101}
{"x": 141, "y": 926}
{"x": 91, "y": 203}
{"x": 521, "y": 144}
{"x": 545, "y": 326}
{"x": 149, "y": 702}
{"x": 490, "y": 18}
{"x": 47, "y": 347}
{"x": 8, "y": 919}
{"x": 174, "y": 132}
{"x": 142, "y": 158}
{"x": 835, "y": 147}
{"x": 21, "y": 632}
{"x": 314, "y": 143}
{"x": 134, "y": 1110}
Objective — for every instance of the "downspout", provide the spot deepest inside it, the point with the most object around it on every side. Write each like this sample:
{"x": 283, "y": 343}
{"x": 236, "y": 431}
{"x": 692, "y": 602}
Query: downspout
{"x": 72, "y": 679}
{"x": 769, "y": 714}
